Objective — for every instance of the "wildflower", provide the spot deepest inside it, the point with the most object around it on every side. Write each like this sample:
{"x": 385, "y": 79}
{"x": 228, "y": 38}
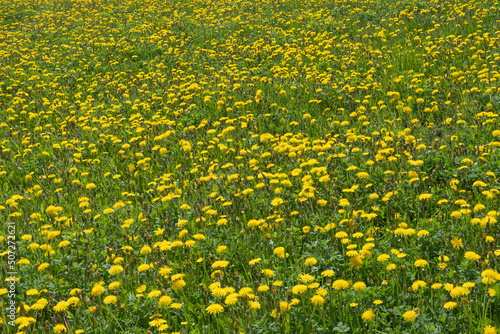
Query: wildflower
{"x": 306, "y": 278}
{"x": 220, "y": 264}
{"x": 390, "y": 266}
{"x": 310, "y": 261}
{"x": 359, "y": 286}
{"x": 328, "y": 273}
{"x": 410, "y": 316}
{"x": 165, "y": 300}
{"x": 471, "y": 256}
{"x": 421, "y": 263}
{"x": 231, "y": 299}
{"x": 214, "y": 309}
{"x": 178, "y": 284}
{"x": 61, "y": 306}
{"x": 459, "y": 291}
{"x": 145, "y": 250}
{"x": 317, "y": 300}
{"x": 368, "y": 316}
{"x": 299, "y": 289}
{"x": 97, "y": 290}
{"x": 263, "y": 288}
{"x": 114, "y": 286}
{"x": 143, "y": 267}
{"x": 383, "y": 258}
{"x": 110, "y": 300}
{"x": 457, "y": 243}
{"x": 450, "y": 305}
{"x": 60, "y": 328}
{"x": 154, "y": 294}
{"x": 254, "y": 305}
{"x": 268, "y": 273}
{"x": 284, "y": 306}
{"x": 490, "y": 330}
{"x": 116, "y": 269}
{"x": 356, "y": 262}
{"x": 340, "y": 284}
{"x": 417, "y": 285}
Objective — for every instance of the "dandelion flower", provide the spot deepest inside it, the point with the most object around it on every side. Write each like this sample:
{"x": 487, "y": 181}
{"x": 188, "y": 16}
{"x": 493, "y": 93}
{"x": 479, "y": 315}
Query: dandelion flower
{"x": 254, "y": 305}
{"x": 340, "y": 284}
{"x": 471, "y": 256}
{"x": 110, "y": 300}
{"x": 490, "y": 330}
{"x": 317, "y": 300}
{"x": 450, "y": 305}
{"x": 60, "y": 328}
{"x": 310, "y": 261}
{"x": 359, "y": 286}
{"x": 299, "y": 289}
{"x": 116, "y": 269}
{"x": 165, "y": 301}
{"x": 368, "y": 316}
{"x": 410, "y": 316}
{"x": 61, "y": 306}
{"x": 214, "y": 309}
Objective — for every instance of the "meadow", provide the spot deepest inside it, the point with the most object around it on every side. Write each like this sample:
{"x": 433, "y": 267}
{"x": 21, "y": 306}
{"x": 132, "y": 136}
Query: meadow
{"x": 261, "y": 166}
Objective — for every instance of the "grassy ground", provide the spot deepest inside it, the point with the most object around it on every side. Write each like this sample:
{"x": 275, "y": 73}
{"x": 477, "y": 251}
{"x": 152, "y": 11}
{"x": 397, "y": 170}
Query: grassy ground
{"x": 249, "y": 166}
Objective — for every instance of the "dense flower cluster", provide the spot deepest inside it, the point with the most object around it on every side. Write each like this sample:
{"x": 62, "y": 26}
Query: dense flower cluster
{"x": 275, "y": 166}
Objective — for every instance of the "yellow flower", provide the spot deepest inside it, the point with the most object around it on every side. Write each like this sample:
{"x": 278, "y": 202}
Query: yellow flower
{"x": 340, "y": 284}
{"x": 299, "y": 289}
{"x": 23, "y": 262}
{"x": 450, "y": 305}
{"x": 154, "y": 294}
{"x": 145, "y": 250}
{"x": 116, "y": 269}
{"x": 254, "y": 305}
{"x": 143, "y": 267}
{"x": 368, "y": 316}
{"x": 306, "y": 278}
{"x": 383, "y": 258}
{"x": 60, "y": 328}
{"x": 114, "y": 286}
{"x": 310, "y": 261}
{"x": 410, "y": 316}
{"x": 214, "y": 309}
{"x": 220, "y": 264}
{"x": 471, "y": 256}
{"x": 359, "y": 286}
{"x": 417, "y": 285}
{"x": 277, "y": 201}
{"x": 54, "y": 211}
{"x": 178, "y": 284}
{"x": 424, "y": 197}
{"x": 284, "y": 306}
{"x": 221, "y": 248}
{"x": 457, "y": 243}
{"x": 328, "y": 273}
{"x": 356, "y": 261}
{"x": 61, "y": 306}
{"x": 263, "y": 288}
{"x": 110, "y": 300}
{"x": 97, "y": 290}
{"x": 317, "y": 300}
{"x": 165, "y": 300}
{"x": 490, "y": 330}
{"x": 421, "y": 263}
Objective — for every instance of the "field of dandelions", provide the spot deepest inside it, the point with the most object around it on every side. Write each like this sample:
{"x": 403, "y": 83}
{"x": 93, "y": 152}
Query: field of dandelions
{"x": 259, "y": 166}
